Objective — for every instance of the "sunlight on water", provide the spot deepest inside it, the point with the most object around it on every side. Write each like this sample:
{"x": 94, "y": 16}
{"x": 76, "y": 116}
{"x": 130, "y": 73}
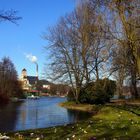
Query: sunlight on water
{"x": 41, "y": 113}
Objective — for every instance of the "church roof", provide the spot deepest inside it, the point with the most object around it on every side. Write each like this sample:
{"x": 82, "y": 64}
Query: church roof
{"x": 24, "y": 69}
{"x": 32, "y": 79}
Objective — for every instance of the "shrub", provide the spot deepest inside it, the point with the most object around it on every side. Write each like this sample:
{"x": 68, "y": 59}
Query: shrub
{"x": 98, "y": 92}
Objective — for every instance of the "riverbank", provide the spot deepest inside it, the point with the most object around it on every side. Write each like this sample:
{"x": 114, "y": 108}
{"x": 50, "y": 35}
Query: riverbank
{"x": 81, "y": 107}
{"x": 110, "y": 123}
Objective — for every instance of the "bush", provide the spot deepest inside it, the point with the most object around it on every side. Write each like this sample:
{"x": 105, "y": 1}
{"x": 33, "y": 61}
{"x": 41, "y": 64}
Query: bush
{"x": 98, "y": 92}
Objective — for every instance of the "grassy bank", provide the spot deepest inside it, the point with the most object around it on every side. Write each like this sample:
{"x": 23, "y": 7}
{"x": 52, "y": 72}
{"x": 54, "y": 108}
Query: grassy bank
{"x": 81, "y": 107}
{"x": 110, "y": 123}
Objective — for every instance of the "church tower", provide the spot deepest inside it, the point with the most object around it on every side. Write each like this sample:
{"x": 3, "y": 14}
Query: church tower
{"x": 24, "y": 74}
{"x": 29, "y": 82}
{"x": 24, "y": 80}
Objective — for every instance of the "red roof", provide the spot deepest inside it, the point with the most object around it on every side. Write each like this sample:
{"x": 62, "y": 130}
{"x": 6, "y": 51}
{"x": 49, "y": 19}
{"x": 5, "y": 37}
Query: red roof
{"x": 34, "y": 91}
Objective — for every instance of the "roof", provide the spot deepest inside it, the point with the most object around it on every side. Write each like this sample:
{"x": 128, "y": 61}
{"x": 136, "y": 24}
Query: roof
{"x": 32, "y": 79}
{"x": 34, "y": 91}
{"x": 24, "y": 69}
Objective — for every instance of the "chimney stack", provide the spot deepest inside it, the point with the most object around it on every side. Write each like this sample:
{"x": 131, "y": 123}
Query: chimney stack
{"x": 36, "y": 70}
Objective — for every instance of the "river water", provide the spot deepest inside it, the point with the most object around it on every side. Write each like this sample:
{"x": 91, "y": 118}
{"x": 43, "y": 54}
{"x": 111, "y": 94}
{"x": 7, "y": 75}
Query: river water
{"x": 40, "y": 113}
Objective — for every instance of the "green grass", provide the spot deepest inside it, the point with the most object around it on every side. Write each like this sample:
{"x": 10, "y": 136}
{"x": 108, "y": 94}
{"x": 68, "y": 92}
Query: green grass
{"x": 110, "y": 123}
{"x": 81, "y": 107}
{"x": 134, "y": 108}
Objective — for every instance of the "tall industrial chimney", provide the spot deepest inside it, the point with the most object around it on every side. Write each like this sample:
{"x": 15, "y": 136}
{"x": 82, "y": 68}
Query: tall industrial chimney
{"x": 36, "y": 70}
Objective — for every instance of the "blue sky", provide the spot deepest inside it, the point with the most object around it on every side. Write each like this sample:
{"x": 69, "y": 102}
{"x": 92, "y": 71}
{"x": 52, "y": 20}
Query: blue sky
{"x": 24, "y": 39}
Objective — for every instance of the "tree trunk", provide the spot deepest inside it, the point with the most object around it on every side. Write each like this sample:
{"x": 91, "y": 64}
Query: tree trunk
{"x": 97, "y": 72}
{"x": 133, "y": 87}
{"x": 138, "y": 65}
{"x": 77, "y": 95}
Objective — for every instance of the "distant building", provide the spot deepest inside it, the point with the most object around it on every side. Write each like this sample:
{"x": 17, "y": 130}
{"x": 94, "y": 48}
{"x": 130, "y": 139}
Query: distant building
{"x": 46, "y": 87}
{"x": 28, "y": 82}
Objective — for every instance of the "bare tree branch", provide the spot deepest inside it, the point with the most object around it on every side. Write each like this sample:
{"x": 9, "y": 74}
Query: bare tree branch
{"x": 9, "y": 15}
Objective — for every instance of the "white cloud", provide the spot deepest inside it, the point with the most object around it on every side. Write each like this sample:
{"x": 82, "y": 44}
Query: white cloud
{"x": 31, "y": 57}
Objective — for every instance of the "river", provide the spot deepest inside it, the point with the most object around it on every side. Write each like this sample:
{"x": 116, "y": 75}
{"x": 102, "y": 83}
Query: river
{"x": 40, "y": 113}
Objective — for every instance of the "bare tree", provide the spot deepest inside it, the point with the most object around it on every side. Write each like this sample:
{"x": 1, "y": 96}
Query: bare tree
{"x": 64, "y": 47}
{"x": 95, "y": 49}
{"x": 9, "y": 15}
{"x": 78, "y": 47}
{"x": 122, "y": 24}
{"x": 9, "y": 85}
{"x": 119, "y": 67}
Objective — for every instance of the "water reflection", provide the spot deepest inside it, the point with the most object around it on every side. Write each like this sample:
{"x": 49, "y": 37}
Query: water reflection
{"x": 41, "y": 113}
{"x": 8, "y": 116}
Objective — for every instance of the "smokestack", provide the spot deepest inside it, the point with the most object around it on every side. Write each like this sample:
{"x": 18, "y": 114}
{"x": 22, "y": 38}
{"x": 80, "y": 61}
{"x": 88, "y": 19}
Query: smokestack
{"x": 33, "y": 59}
{"x": 36, "y": 70}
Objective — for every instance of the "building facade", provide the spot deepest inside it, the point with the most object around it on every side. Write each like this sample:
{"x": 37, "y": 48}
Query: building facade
{"x": 29, "y": 83}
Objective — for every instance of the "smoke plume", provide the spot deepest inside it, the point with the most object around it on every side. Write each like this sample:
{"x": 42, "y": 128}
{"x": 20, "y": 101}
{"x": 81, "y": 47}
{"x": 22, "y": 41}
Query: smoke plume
{"x": 31, "y": 58}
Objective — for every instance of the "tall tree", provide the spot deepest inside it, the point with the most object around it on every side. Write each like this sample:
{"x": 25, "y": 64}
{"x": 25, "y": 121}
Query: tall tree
{"x": 78, "y": 48}
{"x": 66, "y": 62}
{"x": 119, "y": 67}
{"x": 122, "y": 23}
{"x": 9, "y": 85}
